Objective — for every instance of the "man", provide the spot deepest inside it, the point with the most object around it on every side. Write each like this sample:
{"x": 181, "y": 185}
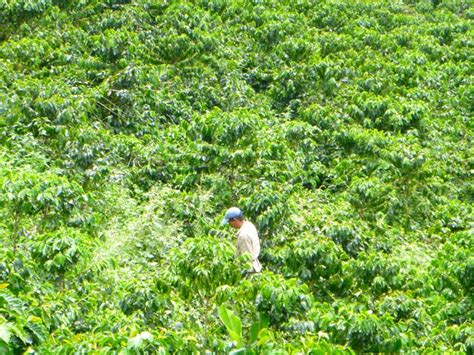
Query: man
{"x": 247, "y": 236}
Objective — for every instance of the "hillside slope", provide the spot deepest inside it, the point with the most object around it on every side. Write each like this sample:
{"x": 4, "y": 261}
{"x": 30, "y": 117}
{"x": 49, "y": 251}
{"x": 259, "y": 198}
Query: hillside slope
{"x": 343, "y": 129}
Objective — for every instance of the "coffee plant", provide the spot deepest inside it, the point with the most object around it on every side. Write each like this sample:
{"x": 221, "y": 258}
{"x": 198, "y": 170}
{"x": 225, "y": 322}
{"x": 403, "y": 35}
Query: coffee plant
{"x": 343, "y": 129}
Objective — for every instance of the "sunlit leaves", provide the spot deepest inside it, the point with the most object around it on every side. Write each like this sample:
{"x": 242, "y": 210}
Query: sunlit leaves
{"x": 232, "y": 323}
{"x": 281, "y": 299}
{"x": 341, "y": 129}
{"x": 204, "y": 264}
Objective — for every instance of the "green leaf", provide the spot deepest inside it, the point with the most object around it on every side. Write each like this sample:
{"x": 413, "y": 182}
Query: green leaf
{"x": 265, "y": 336}
{"x": 39, "y": 331}
{"x": 59, "y": 259}
{"x": 254, "y": 329}
{"x": 19, "y": 331}
{"x": 232, "y": 323}
{"x": 257, "y": 327}
{"x": 137, "y": 341}
{"x": 5, "y": 333}
{"x": 11, "y": 302}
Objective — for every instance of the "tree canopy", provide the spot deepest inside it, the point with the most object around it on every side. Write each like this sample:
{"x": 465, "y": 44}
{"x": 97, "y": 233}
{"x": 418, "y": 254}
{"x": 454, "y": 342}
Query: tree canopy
{"x": 342, "y": 128}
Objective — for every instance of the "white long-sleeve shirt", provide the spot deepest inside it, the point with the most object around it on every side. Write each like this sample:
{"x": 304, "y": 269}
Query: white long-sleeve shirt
{"x": 247, "y": 241}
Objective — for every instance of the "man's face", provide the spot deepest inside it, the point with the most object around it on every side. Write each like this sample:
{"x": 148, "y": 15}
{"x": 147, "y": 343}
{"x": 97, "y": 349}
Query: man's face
{"x": 235, "y": 223}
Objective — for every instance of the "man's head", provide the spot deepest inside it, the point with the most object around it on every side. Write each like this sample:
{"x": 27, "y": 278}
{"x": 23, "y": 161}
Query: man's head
{"x": 234, "y": 217}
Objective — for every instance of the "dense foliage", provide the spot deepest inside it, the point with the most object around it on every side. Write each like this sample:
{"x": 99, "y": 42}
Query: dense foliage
{"x": 342, "y": 128}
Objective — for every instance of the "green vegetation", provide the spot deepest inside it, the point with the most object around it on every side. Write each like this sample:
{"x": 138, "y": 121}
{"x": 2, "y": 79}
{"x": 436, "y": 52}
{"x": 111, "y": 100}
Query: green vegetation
{"x": 342, "y": 128}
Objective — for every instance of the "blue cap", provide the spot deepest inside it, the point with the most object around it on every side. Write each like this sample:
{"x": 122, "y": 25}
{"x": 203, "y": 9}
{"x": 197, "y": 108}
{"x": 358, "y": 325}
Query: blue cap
{"x": 233, "y": 212}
